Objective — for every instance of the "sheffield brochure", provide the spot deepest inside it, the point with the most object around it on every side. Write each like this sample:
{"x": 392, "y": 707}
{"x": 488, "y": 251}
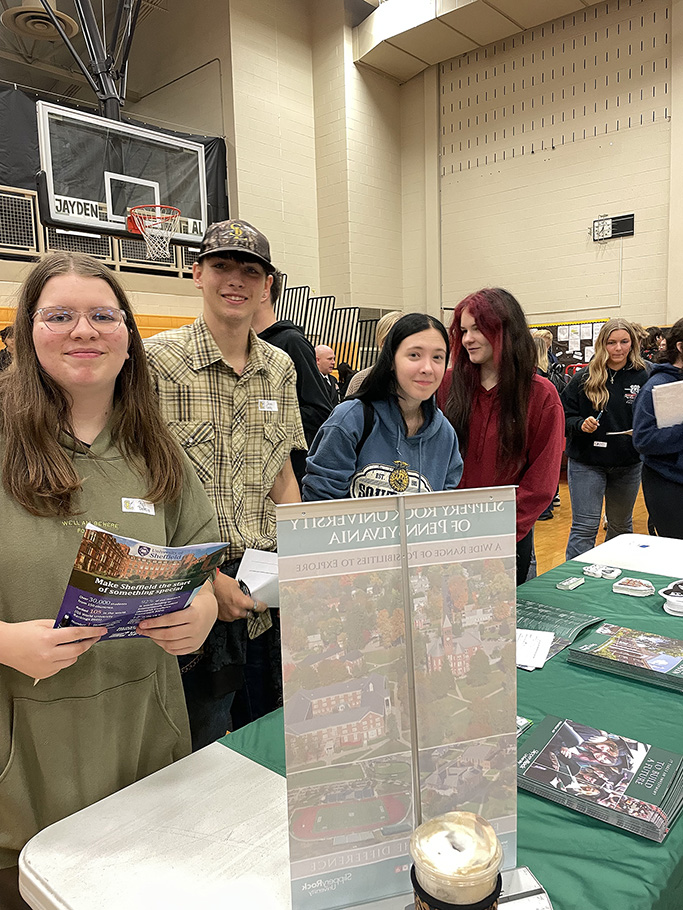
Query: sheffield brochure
{"x": 117, "y": 581}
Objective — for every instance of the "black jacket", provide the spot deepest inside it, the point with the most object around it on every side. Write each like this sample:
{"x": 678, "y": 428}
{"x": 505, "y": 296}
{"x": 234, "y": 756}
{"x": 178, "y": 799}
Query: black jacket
{"x": 599, "y": 448}
{"x": 311, "y": 391}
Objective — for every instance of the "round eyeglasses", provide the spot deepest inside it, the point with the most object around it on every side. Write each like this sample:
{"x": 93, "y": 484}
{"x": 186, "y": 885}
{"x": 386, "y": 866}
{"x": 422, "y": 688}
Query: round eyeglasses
{"x": 62, "y": 320}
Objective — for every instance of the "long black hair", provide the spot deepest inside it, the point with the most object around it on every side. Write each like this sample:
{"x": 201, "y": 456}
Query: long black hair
{"x": 380, "y": 383}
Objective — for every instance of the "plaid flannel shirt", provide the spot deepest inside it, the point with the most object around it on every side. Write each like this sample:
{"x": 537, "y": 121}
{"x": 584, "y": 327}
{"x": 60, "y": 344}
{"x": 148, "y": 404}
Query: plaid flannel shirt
{"x": 236, "y": 429}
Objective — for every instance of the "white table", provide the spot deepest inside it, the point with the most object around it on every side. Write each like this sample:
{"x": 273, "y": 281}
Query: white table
{"x": 211, "y": 830}
{"x": 639, "y": 553}
{"x": 172, "y": 840}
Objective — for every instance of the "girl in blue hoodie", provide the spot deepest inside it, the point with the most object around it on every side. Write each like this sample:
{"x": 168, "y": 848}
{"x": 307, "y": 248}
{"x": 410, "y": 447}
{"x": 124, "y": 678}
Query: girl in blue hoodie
{"x": 661, "y": 448}
{"x": 391, "y": 437}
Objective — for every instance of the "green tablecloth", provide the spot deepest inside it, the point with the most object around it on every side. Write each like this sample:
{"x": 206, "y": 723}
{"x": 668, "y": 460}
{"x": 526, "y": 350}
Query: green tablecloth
{"x": 583, "y": 864}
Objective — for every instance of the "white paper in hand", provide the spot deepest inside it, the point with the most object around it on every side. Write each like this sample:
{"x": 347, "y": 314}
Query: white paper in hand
{"x": 667, "y": 400}
{"x": 258, "y": 570}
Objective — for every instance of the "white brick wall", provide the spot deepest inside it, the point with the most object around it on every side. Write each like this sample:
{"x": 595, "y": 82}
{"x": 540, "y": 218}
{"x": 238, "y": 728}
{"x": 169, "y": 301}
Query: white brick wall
{"x": 600, "y": 137}
{"x": 274, "y": 129}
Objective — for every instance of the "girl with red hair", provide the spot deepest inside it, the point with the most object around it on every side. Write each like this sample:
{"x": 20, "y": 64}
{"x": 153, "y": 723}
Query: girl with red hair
{"x": 509, "y": 421}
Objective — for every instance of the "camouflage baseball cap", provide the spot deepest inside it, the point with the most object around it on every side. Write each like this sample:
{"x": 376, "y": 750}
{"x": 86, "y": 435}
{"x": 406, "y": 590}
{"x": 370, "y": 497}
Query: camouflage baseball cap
{"x": 236, "y": 237}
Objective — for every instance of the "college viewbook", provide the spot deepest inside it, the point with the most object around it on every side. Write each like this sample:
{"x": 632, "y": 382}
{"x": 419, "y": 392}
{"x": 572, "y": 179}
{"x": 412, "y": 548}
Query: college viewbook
{"x": 564, "y": 624}
{"x": 117, "y": 582}
{"x": 646, "y": 656}
{"x": 613, "y": 778}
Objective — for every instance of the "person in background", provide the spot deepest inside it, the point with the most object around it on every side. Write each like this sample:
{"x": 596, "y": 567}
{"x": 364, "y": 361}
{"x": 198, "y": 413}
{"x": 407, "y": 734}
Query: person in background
{"x": 641, "y": 334}
{"x": 542, "y": 367}
{"x": 650, "y": 348}
{"x": 312, "y": 391}
{"x": 602, "y": 463}
{"x": 82, "y": 440}
{"x": 326, "y": 359}
{"x": 390, "y": 438}
{"x": 7, "y": 353}
{"x": 509, "y": 420}
{"x": 382, "y": 329}
{"x": 230, "y": 400}
{"x": 553, "y": 371}
{"x": 661, "y": 448}
{"x": 346, "y": 373}
{"x": 547, "y": 336}
{"x": 545, "y": 367}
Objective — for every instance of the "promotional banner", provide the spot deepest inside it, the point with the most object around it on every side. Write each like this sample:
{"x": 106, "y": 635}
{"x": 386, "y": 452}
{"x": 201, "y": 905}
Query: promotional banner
{"x": 398, "y": 641}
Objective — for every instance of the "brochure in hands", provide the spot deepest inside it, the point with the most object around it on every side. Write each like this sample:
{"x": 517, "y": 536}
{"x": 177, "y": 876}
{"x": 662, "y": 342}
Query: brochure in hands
{"x": 646, "y": 656}
{"x": 615, "y": 779}
{"x": 117, "y": 581}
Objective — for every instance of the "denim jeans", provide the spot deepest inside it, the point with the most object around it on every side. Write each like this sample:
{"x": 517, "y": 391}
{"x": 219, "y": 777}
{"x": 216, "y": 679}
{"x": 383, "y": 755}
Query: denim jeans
{"x": 588, "y": 486}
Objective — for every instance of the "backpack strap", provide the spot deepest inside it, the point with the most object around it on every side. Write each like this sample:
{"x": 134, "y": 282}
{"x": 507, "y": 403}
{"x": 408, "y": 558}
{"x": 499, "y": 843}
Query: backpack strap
{"x": 368, "y": 422}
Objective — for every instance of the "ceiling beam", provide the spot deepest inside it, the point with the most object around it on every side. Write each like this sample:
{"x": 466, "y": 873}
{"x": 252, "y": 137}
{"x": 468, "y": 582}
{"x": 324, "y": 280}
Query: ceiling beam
{"x": 59, "y": 72}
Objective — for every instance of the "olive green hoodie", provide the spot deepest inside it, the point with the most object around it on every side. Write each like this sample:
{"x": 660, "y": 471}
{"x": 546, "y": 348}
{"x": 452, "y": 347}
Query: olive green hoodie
{"x": 119, "y": 712}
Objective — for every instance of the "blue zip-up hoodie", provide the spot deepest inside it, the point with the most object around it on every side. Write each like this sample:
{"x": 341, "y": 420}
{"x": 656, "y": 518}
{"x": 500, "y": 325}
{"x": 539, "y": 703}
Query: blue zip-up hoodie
{"x": 389, "y": 462}
{"x": 660, "y": 449}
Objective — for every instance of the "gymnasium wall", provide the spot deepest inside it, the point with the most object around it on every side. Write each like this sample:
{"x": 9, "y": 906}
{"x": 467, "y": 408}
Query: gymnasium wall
{"x": 385, "y": 194}
{"x": 543, "y": 132}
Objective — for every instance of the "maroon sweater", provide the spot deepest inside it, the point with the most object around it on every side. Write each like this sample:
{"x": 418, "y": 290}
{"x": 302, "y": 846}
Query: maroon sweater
{"x": 538, "y": 477}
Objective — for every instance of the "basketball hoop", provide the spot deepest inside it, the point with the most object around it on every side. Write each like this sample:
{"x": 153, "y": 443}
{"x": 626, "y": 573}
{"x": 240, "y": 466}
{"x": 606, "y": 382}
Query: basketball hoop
{"x": 157, "y": 224}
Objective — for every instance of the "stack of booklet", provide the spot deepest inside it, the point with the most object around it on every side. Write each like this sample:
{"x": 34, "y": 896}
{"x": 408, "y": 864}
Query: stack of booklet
{"x": 647, "y": 656}
{"x": 613, "y": 778}
{"x": 564, "y": 624}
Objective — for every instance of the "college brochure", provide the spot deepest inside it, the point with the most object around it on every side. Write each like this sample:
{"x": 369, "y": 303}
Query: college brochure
{"x": 646, "y": 656}
{"x": 613, "y": 778}
{"x": 117, "y": 581}
{"x": 564, "y": 624}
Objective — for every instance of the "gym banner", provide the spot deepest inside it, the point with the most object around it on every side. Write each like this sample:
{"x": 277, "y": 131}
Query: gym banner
{"x": 398, "y": 647}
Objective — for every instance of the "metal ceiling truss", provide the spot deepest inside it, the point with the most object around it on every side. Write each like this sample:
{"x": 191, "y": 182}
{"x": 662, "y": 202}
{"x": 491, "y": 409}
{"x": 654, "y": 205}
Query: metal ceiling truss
{"x": 106, "y": 70}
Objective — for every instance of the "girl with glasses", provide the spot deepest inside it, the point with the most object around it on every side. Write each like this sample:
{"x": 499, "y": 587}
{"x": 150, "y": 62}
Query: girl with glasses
{"x": 81, "y": 438}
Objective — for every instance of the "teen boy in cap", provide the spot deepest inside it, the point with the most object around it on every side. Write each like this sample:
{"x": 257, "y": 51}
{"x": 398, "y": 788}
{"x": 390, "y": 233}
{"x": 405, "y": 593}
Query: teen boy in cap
{"x": 230, "y": 400}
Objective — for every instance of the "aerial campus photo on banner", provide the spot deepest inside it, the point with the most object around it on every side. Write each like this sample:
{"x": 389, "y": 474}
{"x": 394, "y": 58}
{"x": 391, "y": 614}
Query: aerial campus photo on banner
{"x": 352, "y": 738}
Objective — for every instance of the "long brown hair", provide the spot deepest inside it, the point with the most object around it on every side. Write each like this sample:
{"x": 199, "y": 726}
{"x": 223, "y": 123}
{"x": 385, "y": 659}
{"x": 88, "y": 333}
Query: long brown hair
{"x": 595, "y": 386}
{"x": 501, "y": 320}
{"x": 36, "y": 470}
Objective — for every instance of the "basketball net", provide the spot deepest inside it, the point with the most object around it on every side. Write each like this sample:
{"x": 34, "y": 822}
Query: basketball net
{"x": 157, "y": 224}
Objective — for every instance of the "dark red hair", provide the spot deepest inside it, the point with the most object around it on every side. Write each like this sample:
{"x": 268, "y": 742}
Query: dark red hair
{"x": 501, "y": 320}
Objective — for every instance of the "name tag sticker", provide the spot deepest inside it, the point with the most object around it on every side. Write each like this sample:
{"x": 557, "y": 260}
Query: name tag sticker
{"x": 137, "y": 505}
{"x": 599, "y": 444}
{"x": 265, "y": 404}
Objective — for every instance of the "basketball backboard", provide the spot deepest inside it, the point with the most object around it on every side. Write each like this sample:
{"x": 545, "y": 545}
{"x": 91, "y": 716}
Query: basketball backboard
{"x": 93, "y": 170}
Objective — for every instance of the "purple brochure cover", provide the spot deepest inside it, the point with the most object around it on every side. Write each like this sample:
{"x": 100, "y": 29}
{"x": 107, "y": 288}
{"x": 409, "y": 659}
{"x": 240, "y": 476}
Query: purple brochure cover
{"x": 117, "y": 581}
